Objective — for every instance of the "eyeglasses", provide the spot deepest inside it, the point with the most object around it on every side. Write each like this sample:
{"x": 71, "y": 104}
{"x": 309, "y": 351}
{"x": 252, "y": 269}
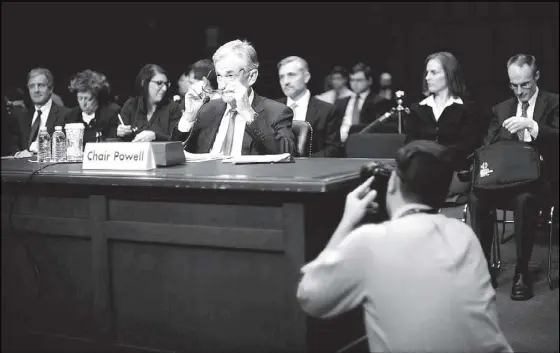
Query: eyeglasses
{"x": 39, "y": 85}
{"x": 524, "y": 85}
{"x": 161, "y": 83}
{"x": 227, "y": 79}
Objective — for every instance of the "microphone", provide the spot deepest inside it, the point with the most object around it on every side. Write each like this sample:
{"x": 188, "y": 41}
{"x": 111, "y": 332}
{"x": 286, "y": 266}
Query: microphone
{"x": 378, "y": 120}
{"x": 398, "y": 110}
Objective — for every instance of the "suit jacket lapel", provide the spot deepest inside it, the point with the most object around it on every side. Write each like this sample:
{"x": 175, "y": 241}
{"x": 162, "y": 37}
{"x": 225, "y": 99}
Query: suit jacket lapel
{"x": 312, "y": 111}
{"x": 427, "y": 113}
{"x": 51, "y": 119}
{"x": 512, "y": 110}
{"x": 217, "y": 115}
{"x": 26, "y": 124}
{"x": 539, "y": 107}
{"x": 257, "y": 104}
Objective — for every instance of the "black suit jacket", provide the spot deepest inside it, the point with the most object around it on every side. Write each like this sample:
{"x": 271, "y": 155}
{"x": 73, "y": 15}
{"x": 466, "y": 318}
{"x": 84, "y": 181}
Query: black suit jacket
{"x": 269, "y": 133}
{"x": 325, "y": 119}
{"x": 368, "y": 113}
{"x": 459, "y": 128}
{"x": 56, "y": 117}
{"x": 546, "y": 116}
{"x": 105, "y": 121}
{"x": 163, "y": 122}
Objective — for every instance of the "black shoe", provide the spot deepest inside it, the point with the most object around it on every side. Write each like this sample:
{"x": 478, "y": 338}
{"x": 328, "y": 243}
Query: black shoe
{"x": 522, "y": 287}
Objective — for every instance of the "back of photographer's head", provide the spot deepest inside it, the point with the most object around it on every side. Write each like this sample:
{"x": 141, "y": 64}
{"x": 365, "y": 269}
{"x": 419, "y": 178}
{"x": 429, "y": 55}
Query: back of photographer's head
{"x": 423, "y": 173}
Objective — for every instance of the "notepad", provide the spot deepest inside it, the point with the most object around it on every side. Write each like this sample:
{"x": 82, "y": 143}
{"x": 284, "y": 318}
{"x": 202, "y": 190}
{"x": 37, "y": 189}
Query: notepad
{"x": 203, "y": 157}
{"x": 254, "y": 159}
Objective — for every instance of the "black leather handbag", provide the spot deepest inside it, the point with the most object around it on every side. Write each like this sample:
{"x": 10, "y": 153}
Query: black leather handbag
{"x": 506, "y": 166}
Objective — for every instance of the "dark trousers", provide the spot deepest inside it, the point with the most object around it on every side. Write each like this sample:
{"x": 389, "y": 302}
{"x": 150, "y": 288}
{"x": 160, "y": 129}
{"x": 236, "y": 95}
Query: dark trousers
{"x": 525, "y": 208}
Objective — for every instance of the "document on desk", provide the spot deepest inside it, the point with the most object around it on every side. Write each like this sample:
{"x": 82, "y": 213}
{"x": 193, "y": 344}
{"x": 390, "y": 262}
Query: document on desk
{"x": 202, "y": 157}
{"x": 254, "y": 159}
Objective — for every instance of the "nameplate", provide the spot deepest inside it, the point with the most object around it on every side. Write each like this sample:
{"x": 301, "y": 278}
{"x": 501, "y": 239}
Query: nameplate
{"x": 119, "y": 156}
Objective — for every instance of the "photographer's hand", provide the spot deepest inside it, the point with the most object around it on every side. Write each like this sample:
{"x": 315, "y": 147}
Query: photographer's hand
{"x": 357, "y": 204}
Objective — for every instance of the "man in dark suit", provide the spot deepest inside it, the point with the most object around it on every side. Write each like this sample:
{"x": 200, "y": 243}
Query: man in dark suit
{"x": 43, "y": 113}
{"x": 358, "y": 109}
{"x": 532, "y": 117}
{"x": 242, "y": 122}
{"x": 324, "y": 118}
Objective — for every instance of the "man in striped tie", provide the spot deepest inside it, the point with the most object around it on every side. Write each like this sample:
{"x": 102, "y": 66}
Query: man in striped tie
{"x": 531, "y": 117}
{"x": 241, "y": 122}
{"x": 43, "y": 113}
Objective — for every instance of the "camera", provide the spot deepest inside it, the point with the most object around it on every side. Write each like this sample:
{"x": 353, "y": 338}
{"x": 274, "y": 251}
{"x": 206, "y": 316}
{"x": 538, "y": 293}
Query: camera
{"x": 381, "y": 173}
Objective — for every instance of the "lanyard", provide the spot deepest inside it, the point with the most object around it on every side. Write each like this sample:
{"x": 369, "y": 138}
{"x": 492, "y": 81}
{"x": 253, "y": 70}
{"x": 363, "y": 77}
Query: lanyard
{"x": 418, "y": 210}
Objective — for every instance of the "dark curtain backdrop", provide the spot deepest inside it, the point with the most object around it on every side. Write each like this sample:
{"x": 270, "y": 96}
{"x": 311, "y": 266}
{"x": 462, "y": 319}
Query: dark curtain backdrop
{"x": 119, "y": 38}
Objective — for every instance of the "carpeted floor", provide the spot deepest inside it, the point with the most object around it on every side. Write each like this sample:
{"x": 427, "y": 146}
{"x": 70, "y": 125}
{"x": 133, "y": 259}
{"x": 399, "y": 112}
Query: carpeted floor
{"x": 529, "y": 326}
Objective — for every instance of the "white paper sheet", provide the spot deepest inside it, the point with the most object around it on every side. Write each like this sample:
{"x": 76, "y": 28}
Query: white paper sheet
{"x": 251, "y": 159}
{"x": 202, "y": 157}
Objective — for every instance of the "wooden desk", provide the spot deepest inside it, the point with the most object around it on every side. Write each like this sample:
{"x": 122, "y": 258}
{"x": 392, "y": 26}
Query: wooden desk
{"x": 198, "y": 257}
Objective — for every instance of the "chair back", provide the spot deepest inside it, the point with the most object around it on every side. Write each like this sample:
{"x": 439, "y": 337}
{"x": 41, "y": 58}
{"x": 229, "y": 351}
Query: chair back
{"x": 373, "y": 145}
{"x": 303, "y": 133}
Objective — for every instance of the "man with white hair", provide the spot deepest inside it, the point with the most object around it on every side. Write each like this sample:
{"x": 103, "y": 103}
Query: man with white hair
{"x": 293, "y": 73}
{"x": 242, "y": 122}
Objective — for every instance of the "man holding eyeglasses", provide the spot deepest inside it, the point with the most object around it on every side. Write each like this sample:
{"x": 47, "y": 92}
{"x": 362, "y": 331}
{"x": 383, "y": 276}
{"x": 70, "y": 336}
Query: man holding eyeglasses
{"x": 532, "y": 117}
{"x": 40, "y": 83}
{"x": 242, "y": 122}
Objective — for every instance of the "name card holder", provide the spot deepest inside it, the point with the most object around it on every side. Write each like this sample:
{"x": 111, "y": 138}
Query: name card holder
{"x": 119, "y": 156}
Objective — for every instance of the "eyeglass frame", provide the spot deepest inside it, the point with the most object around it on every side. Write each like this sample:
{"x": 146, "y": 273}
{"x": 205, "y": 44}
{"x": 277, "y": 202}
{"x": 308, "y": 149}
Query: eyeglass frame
{"x": 160, "y": 84}
{"x": 524, "y": 85}
{"x": 228, "y": 78}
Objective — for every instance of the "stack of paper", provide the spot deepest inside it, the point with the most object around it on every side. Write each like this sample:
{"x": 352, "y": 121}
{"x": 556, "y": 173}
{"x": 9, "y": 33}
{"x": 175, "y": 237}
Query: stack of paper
{"x": 267, "y": 158}
{"x": 202, "y": 157}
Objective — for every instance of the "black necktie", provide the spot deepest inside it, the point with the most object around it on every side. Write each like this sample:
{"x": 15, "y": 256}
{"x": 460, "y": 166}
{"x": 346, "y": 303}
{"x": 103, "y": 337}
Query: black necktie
{"x": 521, "y": 133}
{"x": 34, "y": 128}
{"x": 228, "y": 141}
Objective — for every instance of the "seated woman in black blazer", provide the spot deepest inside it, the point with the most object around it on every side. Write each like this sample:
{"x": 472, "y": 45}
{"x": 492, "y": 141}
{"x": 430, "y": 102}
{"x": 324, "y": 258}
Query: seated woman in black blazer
{"x": 446, "y": 115}
{"x": 94, "y": 109}
{"x": 152, "y": 115}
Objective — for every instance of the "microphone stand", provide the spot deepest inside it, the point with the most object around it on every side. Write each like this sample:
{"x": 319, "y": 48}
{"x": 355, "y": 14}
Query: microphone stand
{"x": 400, "y": 109}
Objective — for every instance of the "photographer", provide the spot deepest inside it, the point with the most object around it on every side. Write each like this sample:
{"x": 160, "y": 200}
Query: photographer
{"x": 421, "y": 277}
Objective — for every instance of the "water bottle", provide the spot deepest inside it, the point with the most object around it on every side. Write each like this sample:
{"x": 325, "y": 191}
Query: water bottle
{"x": 58, "y": 145}
{"x": 44, "y": 142}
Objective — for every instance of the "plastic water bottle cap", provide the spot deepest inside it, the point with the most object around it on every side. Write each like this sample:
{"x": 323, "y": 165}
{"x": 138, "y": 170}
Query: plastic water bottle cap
{"x": 58, "y": 128}
{"x": 43, "y": 128}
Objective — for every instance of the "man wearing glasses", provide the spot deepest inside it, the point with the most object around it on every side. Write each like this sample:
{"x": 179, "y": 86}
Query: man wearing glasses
{"x": 532, "y": 117}
{"x": 242, "y": 122}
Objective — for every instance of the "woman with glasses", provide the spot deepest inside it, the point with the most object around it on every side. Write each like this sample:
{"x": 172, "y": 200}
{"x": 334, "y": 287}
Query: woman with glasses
{"x": 95, "y": 109}
{"x": 446, "y": 115}
{"x": 151, "y": 115}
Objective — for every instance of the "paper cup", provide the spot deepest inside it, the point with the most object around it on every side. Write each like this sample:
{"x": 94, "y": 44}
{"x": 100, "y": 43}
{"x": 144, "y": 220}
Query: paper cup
{"x": 74, "y": 142}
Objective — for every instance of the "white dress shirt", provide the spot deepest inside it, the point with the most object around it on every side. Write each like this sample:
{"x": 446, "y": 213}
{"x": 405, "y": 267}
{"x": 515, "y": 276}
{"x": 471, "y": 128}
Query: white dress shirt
{"x": 347, "y": 119}
{"x": 300, "y": 112}
{"x": 534, "y": 131}
{"x": 45, "y": 110}
{"x": 431, "y": 102}
{"x": 87, "y": 118}
{"x": 422, "y": 281}
{"x": 238, "y": 133}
